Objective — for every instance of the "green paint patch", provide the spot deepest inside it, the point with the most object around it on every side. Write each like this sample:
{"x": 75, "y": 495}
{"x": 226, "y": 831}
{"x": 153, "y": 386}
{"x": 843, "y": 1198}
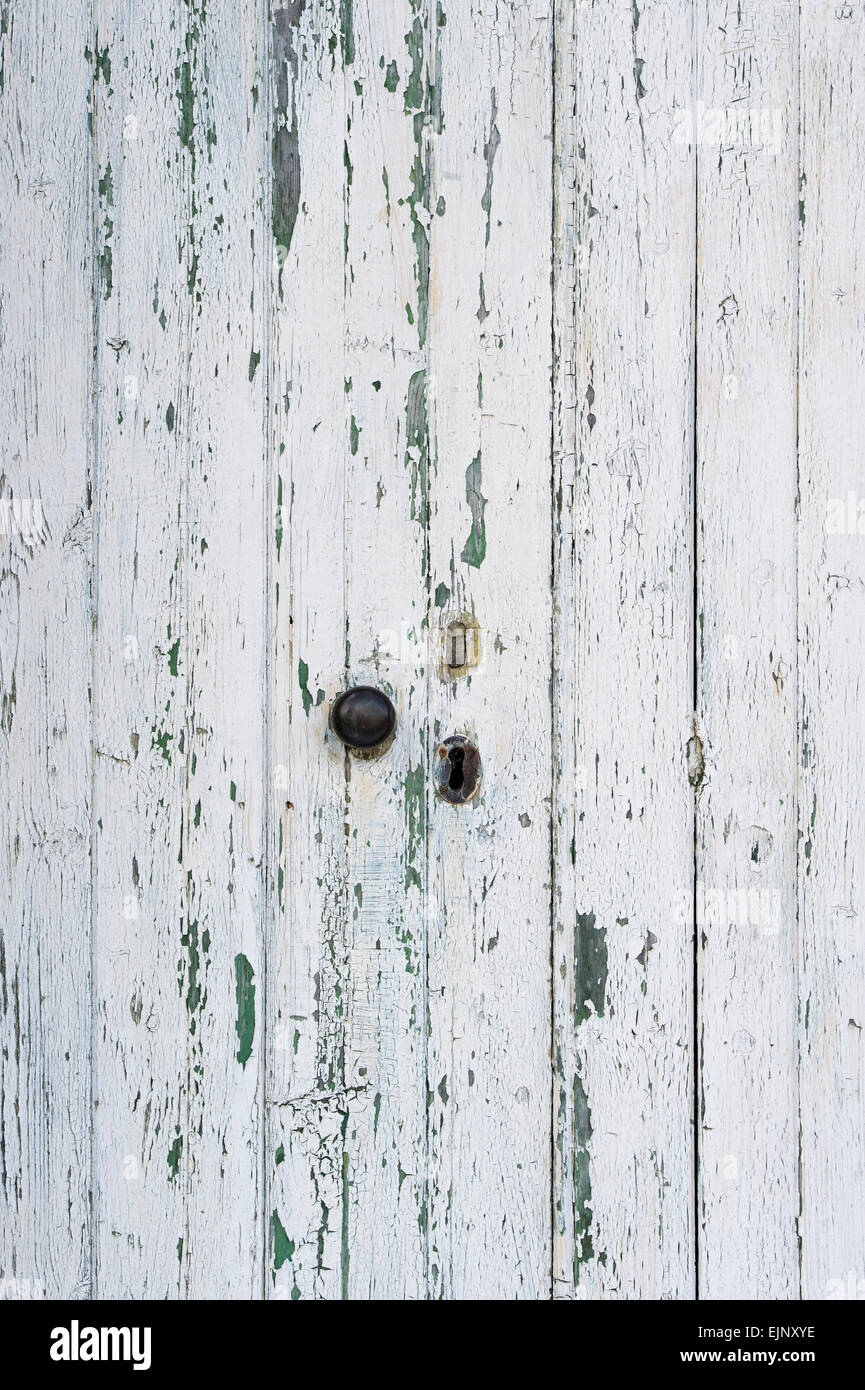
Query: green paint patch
{"x": 283, "y": 1248}
{"x": 415, "y": 104}
{"x": 245, "y": 997}
{"x": 174, "y": 1158}
{"x": 186, "y": 98}
{"x": 590, "y": 954}
{"x": 105, "y": 259}
{"x": 254, "y": 359}
{"x": 417, "y": 445}
{"x": 189, "y": 941}
{"x": 384, "y": 180}
{"x": 483, "y": 312}
{"x": 106, "y": 187}
{"x": 305, "y": 692}
{"x": 442, "y": 595}
{"x": 103, "y": 65}
{"x": 436, "y": 83}
{"x": 802, "y": 182}
{"x": 161, "y": 741}
{"x": 173, "y": 657}
{"x": 490, "y": 148}
{"x": 346, "y": 1244}
{"x": 354, "y": 435}
{"x": 475, "y": 548}
{"x": 346, "y": 31}
{"x": 192, "y": 273}
{"x": 413, "y": 95}
{"x": 583, "y": 1242}
{"x": 415, "y": 816}
{"x": 169, "y": 417}
{"x": 695, "y": 759}
{"x": 391, "y": 77}
{"x": 106, "y": 272}
{"x": 285, "y": 142}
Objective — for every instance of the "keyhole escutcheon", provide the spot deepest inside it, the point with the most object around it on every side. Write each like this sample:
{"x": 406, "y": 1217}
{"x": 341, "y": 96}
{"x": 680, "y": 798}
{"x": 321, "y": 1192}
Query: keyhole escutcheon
{"x": 458, "y": 770}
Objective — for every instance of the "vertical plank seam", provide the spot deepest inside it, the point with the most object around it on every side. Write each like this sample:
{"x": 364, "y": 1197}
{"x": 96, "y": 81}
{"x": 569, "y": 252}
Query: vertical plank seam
{"x": 555, "y": 131}
{"x": 345, "y": 969}
{"x": 268, "y": 820}
{"x": 186, "y": 191}
{"x": 432, "y": 39}
{"x": 93, "y": 480}
{"x": 798, "y": 978}
{"x": 563, "y": 311}
{"x": 696, "y": 654}
{"x": 562, "y": 1247}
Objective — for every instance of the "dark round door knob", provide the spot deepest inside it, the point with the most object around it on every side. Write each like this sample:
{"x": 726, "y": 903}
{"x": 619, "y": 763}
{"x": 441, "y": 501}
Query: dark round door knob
{"x": 362, "y": 717}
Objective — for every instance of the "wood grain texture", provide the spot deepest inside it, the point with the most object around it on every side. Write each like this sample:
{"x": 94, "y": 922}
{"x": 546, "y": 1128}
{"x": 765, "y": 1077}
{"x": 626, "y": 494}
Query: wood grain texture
{"x": 385, "y": 546}
{"x": 743, "y": 127}
{"x": 489, "y": 950}
{"x": 139, "y": 1009}
{"x": 46, "y": 266}
{"x": 307, "y": 982}
{"x": 622, "y": 927}
{"x": 179, "y": 662}
{"x": 347, "y": 1131}
{"x": 831, "y": 653}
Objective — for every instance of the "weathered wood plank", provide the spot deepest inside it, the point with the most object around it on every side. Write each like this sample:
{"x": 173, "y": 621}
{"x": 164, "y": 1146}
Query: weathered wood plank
{"x": 306, "y": 956}
{"x": 566, "y": 260}
{"x": 229, "y": 261}
{"x": 744, "y": 127}
{"x": 831, "y": 653}
{"x": 623, "y": 683}
{"x": 489, "y": 1081}
{"x": 386, "y": 622}
{"x": 179, "y": 661}
{"x": 139, "y": 1023}
{"x": 347, "y": 1144}
{"x": 45, "y": 550}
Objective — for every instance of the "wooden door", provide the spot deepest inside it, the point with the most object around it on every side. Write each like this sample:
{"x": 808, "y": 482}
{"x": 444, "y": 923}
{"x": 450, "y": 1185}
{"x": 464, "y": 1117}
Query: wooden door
{"x": 508, "y": 358}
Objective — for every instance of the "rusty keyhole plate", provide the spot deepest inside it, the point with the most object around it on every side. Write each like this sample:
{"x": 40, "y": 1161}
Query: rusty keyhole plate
{"x": 458, "y": 770}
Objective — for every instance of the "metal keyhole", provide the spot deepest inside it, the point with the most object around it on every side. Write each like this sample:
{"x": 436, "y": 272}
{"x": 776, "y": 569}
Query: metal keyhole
{"x": 458, "y": 770}
{"x": 460, "y": 648}
{"x": 456, "y": 645}
{"x": 456, "y": 779}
